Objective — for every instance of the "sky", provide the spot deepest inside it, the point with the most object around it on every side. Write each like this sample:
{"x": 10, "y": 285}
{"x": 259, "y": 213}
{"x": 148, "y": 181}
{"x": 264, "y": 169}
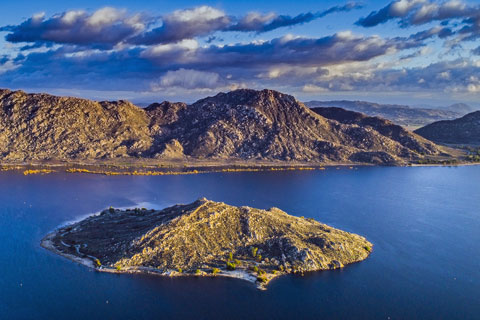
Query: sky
{"x": 417, "y": 52}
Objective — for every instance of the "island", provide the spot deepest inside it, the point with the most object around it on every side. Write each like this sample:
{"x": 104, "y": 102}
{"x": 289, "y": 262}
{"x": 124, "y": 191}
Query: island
{"x": 207, "y": 238}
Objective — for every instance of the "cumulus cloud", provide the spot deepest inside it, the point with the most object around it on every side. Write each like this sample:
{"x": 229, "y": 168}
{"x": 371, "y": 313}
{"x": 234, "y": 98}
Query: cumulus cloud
{"x": 395, "y": 9}
{"x": 6, "y": 64}
{"x": 186, "y": 24}
{"x": 338, "y": 48}
{"x": 137, "y": 67}
{"x": 455, "y": 76}
{"x": 416, "y": 12}
{"x": 113, "y": 50}
{"x": 106, "y": 26}
{"x": 188, "y": 79}
{"x": 466, "y": 26}
{"x": 259, "y": 23}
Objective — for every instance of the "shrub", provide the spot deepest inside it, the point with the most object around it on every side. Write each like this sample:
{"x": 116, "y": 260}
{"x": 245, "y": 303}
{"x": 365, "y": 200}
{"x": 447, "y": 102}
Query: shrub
{"x": 118, "y": 267}
{"x": 215, "y": 270}
{"x": 254, "y": 251}
{"x": 262, "y": 279}
{"x": 259, "y": 257}
{"x": 197, "y": 271}
{"x": 230, "y": 256}
{"x": 368, "y": 248}
{"x": 255, "y": 268}
{"x": 98, "y": 263}
{"x": 180, "y": 270}
{"x": 231, "y": 265}
{"x": 238, "y": 262}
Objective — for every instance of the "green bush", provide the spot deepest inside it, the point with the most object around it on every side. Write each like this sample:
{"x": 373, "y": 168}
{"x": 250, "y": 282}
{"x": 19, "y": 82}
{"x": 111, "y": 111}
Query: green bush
{"x": 254, "y": 251}
{"x": 368, "y": 248}
{"x": 118, "y": 267}
{"x": 215, "y": 270}
{"x": 230, "y": 256}
{"x": 262, "y": 279}
{"x": 231, "y": 265}
{"x": 197, "y": 271}
{"x": 180, "y": 270}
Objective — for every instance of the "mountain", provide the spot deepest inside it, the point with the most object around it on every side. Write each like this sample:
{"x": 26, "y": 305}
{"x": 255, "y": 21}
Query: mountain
{"x": 465, "y": 130}
{"x": 461, "y": 108}
{"x": 399, "y": 114}
{"x": 242, "y": 124}
{"x": 384, "y": 127}
{"x": 207, "y": 238}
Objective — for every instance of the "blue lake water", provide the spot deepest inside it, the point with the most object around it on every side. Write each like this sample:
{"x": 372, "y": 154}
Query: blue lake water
{"x": 424, "y": 223}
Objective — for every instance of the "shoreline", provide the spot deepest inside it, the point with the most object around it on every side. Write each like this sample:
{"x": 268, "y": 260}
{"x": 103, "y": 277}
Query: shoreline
{"x": 249, "y": 268}
{"x": 137, "y": 169}
{"x": 160, "y": 170}
{"x": 239, "y": 274}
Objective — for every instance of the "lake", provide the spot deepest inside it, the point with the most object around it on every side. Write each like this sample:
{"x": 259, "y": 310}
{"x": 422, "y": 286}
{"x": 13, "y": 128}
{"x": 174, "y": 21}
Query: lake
{"x": 424, "y": 223}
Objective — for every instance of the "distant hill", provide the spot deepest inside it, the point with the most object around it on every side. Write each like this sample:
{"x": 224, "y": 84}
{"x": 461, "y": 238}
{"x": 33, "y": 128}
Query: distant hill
{"x": 243, "y": 124}
{"x": 384, "y": 127}
{"x": 461, "y": 108}
{"x": 465, "y": 130}
{"x": 400, "y": 114}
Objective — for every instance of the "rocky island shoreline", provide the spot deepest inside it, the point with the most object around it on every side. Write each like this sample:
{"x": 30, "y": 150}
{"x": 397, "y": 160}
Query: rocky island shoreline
{"x": 206, "y": 238}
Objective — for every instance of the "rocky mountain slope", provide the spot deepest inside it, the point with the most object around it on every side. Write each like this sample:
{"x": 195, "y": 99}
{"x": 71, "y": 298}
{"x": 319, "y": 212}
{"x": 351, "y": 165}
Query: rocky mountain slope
{"x": 41, "y": 126}
{"x": 465, "y": 130}
{"x": 399, "y": 114}
{"x": 384, "y": 127}
{"x": 207, "y": 237}
{"x": 242, "y": 124}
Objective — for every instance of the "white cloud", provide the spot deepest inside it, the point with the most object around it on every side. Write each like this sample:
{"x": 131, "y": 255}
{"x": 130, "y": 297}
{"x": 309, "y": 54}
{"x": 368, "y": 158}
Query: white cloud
{"x": 188, "y": 79}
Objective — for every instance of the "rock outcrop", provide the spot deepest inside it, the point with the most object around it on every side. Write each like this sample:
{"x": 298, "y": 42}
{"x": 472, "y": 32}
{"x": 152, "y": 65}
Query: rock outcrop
{"x": 208, "y": 238}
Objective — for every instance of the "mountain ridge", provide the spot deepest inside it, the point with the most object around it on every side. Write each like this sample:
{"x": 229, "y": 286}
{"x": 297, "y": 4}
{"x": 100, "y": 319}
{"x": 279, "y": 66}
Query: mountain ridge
{"x": 464, "y": 130}
{"x": 242, "y": 124}
{"x": 399, "y": 114}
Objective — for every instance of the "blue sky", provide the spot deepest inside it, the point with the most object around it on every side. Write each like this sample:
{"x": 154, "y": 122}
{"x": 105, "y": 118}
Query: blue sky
{"x": 401, "y": 51}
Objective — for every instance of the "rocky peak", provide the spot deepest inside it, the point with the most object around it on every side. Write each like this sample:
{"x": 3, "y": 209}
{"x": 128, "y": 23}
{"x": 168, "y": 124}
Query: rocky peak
{"x": 164, "y": 113}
